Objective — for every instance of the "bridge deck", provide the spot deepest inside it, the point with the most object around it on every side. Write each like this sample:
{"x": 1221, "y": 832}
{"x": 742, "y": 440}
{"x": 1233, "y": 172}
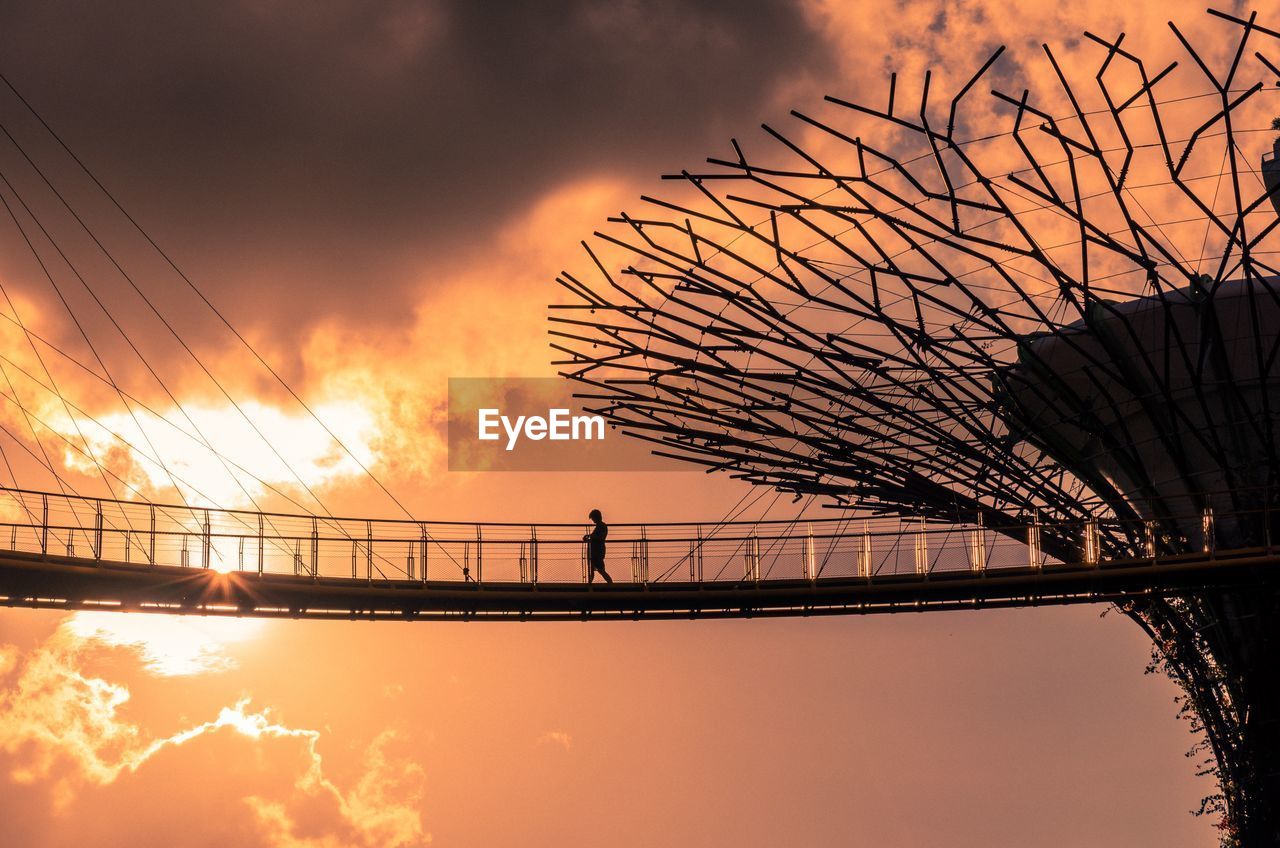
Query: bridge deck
{"x": 76, "y": 553}
{"x": 76, "y": 583}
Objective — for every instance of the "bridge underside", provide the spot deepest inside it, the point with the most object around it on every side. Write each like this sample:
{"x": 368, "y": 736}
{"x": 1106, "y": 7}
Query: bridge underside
{"x": 30, "y": 580}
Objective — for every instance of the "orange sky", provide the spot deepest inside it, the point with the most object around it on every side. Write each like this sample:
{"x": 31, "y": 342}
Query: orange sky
{"x": 372, "y": 246}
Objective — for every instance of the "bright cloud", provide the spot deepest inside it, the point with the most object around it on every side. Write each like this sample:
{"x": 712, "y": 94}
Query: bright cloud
{"x": 63, "y": 727}
{"x": 168, "y": 646}
{"x": 373, "y": 814}
{"x": 248, "y": 452}
{"x": 381, "y": 396}
{"x": 557, "y": 737}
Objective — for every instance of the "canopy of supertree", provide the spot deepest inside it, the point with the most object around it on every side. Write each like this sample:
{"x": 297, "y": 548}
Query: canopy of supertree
{"x": 976, "y": 299}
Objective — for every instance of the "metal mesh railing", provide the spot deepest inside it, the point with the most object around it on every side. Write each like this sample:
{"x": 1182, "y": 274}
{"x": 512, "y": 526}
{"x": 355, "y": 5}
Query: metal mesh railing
{"x": 102, "y": 530}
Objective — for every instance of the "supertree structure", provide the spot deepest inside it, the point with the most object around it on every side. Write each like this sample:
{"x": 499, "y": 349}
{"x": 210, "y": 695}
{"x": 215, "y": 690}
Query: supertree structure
{"x": 1057, "y": 303}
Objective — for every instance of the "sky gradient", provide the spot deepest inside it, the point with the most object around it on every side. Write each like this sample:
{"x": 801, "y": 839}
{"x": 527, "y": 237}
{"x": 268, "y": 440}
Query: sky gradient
{"x": 379, "y": 196}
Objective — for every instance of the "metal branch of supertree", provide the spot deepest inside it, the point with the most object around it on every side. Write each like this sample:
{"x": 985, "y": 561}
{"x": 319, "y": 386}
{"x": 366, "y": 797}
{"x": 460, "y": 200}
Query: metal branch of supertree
{"x": 864, "y": 319}
{"x": 1060, "y": 302}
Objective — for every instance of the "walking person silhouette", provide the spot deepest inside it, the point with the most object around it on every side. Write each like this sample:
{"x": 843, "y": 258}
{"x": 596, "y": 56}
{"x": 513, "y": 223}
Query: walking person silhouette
{"x": 595, "y": 546}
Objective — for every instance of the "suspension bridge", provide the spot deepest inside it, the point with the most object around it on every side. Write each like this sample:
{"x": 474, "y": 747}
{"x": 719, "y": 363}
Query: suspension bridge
{"x": 67, "y": 552}
{"x": 1050, "y": 352}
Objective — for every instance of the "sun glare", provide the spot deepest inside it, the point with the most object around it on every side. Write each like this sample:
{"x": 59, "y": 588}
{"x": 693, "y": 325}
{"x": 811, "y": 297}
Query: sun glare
{"x": 272, "y": 449}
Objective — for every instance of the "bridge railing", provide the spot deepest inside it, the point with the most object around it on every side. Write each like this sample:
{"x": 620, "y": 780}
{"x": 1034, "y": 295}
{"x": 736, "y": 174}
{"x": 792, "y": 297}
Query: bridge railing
{"x": 100, "y": 530}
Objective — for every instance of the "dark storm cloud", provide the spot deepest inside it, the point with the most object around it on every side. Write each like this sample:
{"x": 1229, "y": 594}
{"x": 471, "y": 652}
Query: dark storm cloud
{"x": 337, "y": 145}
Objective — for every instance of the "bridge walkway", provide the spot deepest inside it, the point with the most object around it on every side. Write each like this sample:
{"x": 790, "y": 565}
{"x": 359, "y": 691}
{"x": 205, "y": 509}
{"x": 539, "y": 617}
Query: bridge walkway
{"x": 82, "y": 553}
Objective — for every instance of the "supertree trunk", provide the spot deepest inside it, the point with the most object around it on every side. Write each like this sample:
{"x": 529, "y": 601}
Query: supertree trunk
{"x": 1224, "y": 651}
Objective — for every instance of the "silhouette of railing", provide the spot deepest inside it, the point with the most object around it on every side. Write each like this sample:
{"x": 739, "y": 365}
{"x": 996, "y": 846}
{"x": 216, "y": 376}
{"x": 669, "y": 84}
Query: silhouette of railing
{"x": 103, "y": 530}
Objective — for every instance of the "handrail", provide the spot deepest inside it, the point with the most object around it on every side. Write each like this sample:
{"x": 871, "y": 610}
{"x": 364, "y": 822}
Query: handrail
{"x": 405, "y": 521}
{"x": 415, "y": 522}
{"x": 67, "y": 527}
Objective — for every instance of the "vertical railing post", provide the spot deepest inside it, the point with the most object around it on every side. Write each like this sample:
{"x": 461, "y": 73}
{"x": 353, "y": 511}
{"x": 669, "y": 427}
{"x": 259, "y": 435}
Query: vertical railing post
{"x": 753, "y": 558}
{"x": 239, "y": 553}
{"x": 423, "y": 529}
{"x": 1092, "y": 542}
{"x": 702, "y": 550}
{"x": 922, "y": 548}
{"x": 695, "y": 561}
{"x": 635, "y": 561}
{"x": 368, "y": 551}
{"x": 44, "y": 525}
{"x": 315, "y": 548}
{"x": 810, "y": 561}
{"x": 479, "y": 555}
{"x": 1210, "y": 542}
{"x": 206, "y": 542}
{"x": 533, "y": 555}
{"x": 864, "y": 555}
{"x": 262, "y": 548}
{"x": 1033, "y": 541}
{"x": 97, "y": 531}
{"x": 978, "y": 546}
{"x": 644, "y": 554}
{"x": 151, "y": 546}
{"x": 355, "y": 551}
